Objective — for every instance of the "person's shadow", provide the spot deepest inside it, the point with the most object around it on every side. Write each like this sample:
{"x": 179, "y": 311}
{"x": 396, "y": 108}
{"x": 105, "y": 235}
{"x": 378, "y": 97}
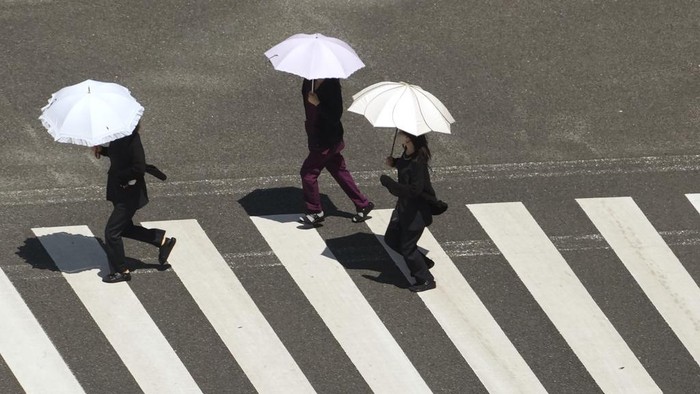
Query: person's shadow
{"x": 76, "y": 253}
{"x": 355, "y": 252}
{"x": 284, "y": 201}
{"x": 362, "y": 251}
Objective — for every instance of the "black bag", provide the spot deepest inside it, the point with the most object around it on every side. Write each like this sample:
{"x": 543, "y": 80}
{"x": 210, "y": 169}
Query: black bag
{"x": 153, "y": 170}
{"x": 437, "y": 207}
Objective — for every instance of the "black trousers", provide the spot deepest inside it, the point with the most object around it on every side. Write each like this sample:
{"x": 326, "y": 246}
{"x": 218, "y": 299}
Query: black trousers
{"x": 405, "y": 241}
{"x": 120, "y": 224}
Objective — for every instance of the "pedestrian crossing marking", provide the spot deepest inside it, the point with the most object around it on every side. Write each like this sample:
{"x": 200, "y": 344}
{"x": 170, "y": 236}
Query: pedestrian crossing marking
{"x": 348, "y": 315}
{"x": 563, "y": 298}
{"x": 694, "y": 199}
{"x": 651, "y": 262}
{"x": 231, "y": 311}
{"x": 465, "y": 319}
{"x": 116, "y": 310}
{"x": 341, "y": 305}
{"x": 26, "y": 348}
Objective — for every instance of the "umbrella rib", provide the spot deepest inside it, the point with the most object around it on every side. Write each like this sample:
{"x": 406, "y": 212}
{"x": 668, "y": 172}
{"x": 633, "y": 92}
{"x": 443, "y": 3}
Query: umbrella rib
{"x": 380, "y": 94}
{"x": 393, "y": 111}
{"x": 420, "y": 110}
{"x": 440, "y": 112}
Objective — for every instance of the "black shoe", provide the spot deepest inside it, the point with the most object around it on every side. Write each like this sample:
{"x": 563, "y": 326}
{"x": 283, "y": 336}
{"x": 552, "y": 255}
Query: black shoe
{"x": 429, "y": 262}
{"x": 312, "y": 219}
{"x": 117, "y": 277}
{"x": 423, "y": 286}
{"x": 165, "y": 249}
{"x": 361, "y": 215}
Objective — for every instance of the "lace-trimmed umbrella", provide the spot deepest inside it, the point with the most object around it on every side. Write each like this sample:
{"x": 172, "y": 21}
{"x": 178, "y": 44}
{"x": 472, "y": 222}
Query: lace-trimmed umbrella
{"x": 91, "y": 113}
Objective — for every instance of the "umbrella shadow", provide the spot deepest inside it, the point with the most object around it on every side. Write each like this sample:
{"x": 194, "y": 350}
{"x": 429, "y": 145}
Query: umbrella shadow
{"x": 284, "y": 201}
{"x": 35, "y": 254}
{"x": 87, "y": 257}
{"x": 362, "y": 251}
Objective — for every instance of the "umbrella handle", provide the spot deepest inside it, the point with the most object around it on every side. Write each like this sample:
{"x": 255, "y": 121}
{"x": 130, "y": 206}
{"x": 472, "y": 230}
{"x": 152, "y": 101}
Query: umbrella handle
{"x": 394, "y": 143}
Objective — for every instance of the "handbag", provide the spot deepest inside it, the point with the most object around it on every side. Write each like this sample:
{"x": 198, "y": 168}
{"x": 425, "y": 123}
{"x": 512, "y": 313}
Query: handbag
{"x": 437, "y": 207}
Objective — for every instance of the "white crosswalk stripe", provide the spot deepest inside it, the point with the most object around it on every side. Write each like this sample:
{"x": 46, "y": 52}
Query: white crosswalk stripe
{"x": 231, "y": 311}
{"x": 345, "y": 311}
{"x": 466, "y": 320}
{"x": 583, "y": 325}
{"x": 652, "y": 264}
{"x": 694, "y": 199}
{"x": 340, "y": 304}
{"x": 117, "y": 311}
{"x": 29, "y": 352}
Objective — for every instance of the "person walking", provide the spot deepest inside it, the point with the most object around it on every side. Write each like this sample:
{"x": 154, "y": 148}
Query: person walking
{"x": 323, "y": 106}
{"x": 126, "y": 189}
{"x": 412, "y": 213}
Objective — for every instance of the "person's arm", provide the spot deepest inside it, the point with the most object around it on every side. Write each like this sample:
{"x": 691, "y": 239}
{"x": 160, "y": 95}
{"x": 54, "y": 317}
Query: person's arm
{"x": 100, "y": 151}
{"x": 419, "y": 174}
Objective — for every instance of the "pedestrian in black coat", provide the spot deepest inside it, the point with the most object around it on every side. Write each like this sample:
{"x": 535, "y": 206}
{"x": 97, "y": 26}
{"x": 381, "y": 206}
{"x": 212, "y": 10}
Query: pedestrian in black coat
{"x": 126, "y": 189}
{"x": 412, "y": 213}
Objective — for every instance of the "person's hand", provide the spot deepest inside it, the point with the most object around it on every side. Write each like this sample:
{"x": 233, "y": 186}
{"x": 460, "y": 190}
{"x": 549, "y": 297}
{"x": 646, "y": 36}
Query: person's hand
{"x": 96, "y": 150}
{"x": 385, "y": 180}
{"x": 313, "y": 99}
{"x": 389, "y": 161}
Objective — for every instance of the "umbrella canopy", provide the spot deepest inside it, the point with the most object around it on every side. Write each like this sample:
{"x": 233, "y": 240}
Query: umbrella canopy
{"x": 91, "y": 113}
{"x": 403, "y": 106}
{"x": 314, "y": 56}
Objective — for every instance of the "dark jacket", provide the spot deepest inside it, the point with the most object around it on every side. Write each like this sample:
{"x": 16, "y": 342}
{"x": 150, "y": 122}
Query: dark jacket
{"x": 323, "y": 127}
{"x": 127, "y": 164}
{"x": 413, "y": 189}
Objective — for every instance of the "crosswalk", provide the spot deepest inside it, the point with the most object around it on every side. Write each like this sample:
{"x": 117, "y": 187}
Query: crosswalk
{"x": 350, "y": 314}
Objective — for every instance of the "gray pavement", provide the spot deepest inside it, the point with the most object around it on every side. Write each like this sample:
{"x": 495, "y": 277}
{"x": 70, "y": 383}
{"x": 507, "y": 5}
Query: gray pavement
{"x": 553, "y": 101}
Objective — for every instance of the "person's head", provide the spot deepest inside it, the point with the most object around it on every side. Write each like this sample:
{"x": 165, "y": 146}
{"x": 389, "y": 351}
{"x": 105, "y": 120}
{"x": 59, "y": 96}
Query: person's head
{"x": 415, "y": 144}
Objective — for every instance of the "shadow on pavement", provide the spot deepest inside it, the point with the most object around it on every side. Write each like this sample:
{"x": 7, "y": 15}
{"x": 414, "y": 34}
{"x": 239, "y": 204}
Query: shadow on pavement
{"x": 362, "y": 251}
{"x": 284, "y": 200}
{"x": 86, "y": 255}
{"x": 33, "y": 253}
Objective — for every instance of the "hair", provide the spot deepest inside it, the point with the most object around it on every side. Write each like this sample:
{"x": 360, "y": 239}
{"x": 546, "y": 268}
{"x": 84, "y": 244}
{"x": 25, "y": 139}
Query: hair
{"x": 420, "y": 143}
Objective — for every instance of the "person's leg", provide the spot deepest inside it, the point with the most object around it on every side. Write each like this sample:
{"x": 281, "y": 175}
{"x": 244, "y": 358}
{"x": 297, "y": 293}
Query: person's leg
{"x": 337, "y": 168}
{"x": 428, "y": 261}
{"x": 310, "y": 170}
{"x": 153, "y": 236}
{"x": 392, "y": 235}
{"x": 414, "y": 258}
{"x": 117, "y": 222}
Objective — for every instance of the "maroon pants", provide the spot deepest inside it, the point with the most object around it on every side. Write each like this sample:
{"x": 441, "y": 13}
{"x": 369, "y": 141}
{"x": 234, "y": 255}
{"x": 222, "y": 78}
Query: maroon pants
{"x": 332, "y": 160}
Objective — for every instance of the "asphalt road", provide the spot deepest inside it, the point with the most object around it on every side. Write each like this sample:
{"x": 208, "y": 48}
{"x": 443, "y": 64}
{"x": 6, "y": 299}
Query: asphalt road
{"x": 553, "y": 101}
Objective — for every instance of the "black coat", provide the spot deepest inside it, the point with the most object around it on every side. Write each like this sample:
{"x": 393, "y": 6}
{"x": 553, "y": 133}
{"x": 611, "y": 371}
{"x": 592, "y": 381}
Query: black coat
{"x": 127, "y": 164}
{"x": 323, "y": 126}
{"x": 412, "y": 189}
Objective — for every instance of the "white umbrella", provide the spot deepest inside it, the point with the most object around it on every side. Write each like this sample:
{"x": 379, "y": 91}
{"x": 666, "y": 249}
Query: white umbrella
{"x": 314, "y": 56}
{"x": 403, "y": 106}
{"x": 91, "y": 113}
